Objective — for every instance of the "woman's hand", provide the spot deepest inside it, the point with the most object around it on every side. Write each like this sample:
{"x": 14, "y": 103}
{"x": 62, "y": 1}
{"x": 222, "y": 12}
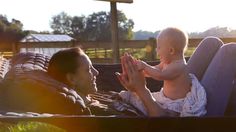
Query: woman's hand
{"x": 131, "y": 78}
{"x": 122, "y": 76}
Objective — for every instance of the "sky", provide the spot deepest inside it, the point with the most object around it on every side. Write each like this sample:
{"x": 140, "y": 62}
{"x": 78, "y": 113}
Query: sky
{"x": 148, "y": 15}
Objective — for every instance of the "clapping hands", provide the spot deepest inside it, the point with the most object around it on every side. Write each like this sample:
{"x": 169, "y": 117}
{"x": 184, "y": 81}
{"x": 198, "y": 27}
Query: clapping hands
{"x": 131, "y": 77}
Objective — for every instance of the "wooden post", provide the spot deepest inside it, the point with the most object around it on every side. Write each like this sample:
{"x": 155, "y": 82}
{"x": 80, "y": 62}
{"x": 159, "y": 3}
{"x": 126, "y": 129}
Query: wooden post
{"x": 74, "y": 43}
{"x": 154, "y": 46}
{"x": 95, "y": 52}
{"x": 15, "y": 49}
{"x": 114, "y": 29}
{"x": 151, "y": 49}
{"x": 114, "y": 33}
{"x": 105, "y": 56}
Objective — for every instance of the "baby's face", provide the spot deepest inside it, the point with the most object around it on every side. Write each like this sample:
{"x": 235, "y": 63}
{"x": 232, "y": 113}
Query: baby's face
{"x": 163, "y": 50}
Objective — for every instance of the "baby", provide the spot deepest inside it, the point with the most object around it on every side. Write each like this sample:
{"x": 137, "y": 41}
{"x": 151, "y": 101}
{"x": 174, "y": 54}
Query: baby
{"x": 181, "y": 92}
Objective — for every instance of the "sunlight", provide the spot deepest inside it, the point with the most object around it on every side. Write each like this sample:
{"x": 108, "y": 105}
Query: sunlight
{"x": 151, "y": 15}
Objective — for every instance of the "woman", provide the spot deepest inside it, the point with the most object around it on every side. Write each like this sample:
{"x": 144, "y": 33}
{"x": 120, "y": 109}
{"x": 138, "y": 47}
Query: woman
{"x": 61, "y": 90}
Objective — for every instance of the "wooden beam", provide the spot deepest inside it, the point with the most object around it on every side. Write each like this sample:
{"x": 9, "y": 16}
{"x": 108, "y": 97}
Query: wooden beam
{"x": 121, "y": 1}
{"x": 114, "y": 33}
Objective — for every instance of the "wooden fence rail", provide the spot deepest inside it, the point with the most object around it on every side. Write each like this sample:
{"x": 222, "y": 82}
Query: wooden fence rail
{"x": 149, "y": 47}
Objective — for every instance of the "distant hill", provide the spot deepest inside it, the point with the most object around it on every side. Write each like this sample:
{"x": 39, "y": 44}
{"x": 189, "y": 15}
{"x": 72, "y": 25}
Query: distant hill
{"x": 144, "y": 35}
{"x": 222, "y": 32}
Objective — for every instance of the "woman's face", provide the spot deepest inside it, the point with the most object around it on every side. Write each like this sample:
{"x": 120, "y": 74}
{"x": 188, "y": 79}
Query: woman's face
{"x": 85, "y": 76}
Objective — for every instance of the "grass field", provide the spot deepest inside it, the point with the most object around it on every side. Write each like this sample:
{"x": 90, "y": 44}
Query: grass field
{"x": 137, "y": 53}
{"x": 101, "y": 55}
{"x": 29, "y": 127}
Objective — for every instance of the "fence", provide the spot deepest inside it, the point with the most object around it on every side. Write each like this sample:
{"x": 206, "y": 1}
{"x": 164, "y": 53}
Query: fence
{"x": 101, "y": 52}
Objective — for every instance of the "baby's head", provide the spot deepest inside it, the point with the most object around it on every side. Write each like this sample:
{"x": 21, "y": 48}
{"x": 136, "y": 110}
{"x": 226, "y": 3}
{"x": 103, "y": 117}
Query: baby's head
{"x": 174, "y": 40}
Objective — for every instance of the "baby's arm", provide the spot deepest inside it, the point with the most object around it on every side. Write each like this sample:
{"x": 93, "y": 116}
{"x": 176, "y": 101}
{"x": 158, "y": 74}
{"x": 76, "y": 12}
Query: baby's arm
{"x": 170, "y": 72}
{"x": 149, "y": 71}
{"x": 141, "y": 66}
{"x": 160, "y": 66}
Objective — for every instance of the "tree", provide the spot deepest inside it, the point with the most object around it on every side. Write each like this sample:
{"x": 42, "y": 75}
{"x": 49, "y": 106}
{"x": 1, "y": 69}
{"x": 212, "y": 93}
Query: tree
{"x": 96, "y": 26}
{"x": 61, "y": 23}
{"x": 10, "y": 31}
{"x": 125, "y": 26}
{"x": 78, "y": 27}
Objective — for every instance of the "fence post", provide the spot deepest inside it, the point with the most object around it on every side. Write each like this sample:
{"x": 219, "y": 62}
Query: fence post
{"x": 151, "y": 49}
{"x": 15, "y": 49}
{"x": 73, "y": 43}
{"x": 154, "y": 47}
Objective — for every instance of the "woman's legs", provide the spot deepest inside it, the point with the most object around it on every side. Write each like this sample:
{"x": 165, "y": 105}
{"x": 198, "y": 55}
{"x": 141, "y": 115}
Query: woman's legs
{"x": 201, "y": 58}
{"x": 218, "y": 79}
{"x": 231, "y": 107}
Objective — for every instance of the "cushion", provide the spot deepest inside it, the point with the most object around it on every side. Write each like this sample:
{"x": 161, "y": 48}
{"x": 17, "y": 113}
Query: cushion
{"x": 4, "y": 67}
{"x": 35, "y": 91}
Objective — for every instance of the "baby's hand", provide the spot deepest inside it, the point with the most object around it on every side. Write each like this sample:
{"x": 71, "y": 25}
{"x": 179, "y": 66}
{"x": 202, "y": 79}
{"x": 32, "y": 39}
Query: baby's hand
{"x": 140, "y": 64}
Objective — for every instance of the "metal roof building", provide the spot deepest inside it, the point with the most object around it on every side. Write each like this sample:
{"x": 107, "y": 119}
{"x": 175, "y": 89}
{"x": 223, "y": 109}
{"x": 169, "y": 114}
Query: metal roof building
{"x": 46, "y": 38}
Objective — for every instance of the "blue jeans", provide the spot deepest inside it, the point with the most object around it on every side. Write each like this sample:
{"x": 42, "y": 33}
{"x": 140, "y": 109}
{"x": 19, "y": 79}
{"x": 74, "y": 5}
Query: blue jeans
{"x": 214, "y": 64}
{"x": 219, "y": 79}
{"x": 203, "y": 55}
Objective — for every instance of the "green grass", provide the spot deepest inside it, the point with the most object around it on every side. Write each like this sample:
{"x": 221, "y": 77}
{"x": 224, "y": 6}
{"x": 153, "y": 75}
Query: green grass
{"x": 137, "y": 53}
{"x": 102, "y": 53}
{"x": 189, "y": 51}
{"x": 30, "y": 126}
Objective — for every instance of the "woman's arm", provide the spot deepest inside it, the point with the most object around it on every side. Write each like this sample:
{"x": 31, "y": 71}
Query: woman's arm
{"x": 134, "y": 81}
{"x": 152, "y": 107}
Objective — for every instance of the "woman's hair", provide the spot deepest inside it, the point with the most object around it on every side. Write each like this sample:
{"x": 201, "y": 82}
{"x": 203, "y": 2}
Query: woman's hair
{"x": 63, "y": 62}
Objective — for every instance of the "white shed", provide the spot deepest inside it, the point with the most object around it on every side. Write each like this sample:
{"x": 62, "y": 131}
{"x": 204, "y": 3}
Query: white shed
{"x": 45, "y": 38}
